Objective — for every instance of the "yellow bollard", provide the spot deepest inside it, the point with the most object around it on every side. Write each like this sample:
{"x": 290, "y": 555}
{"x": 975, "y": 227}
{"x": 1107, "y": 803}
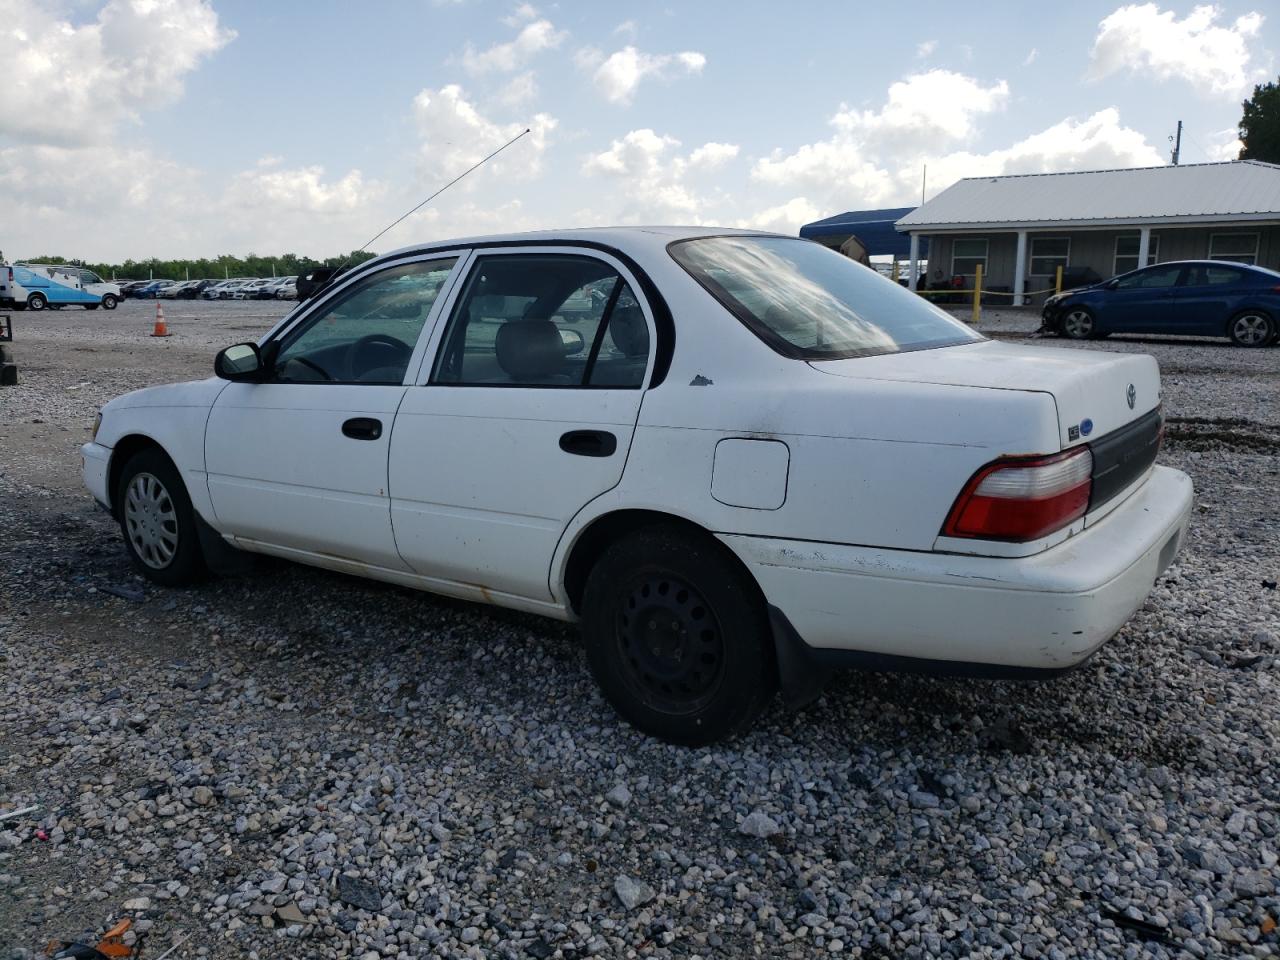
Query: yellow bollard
{"x": 977, "y": 295}
{"x": 1057, "y": 283}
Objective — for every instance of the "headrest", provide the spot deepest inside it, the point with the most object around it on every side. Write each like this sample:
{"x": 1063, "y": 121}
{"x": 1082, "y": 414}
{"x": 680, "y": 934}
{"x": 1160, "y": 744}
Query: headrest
{"x": 627, "y": 330}
{"x": 529, "y": 349}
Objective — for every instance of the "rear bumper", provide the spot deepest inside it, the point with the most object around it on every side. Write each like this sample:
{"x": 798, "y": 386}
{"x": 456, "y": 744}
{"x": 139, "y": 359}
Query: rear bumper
{"x": 975, "y": 615}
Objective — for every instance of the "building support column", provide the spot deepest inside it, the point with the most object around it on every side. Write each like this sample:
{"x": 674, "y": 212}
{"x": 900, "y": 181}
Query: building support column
{"x": 1144, "y": 245}
{"x": 1020, "y": 269}
{"x": 913, "y": 268}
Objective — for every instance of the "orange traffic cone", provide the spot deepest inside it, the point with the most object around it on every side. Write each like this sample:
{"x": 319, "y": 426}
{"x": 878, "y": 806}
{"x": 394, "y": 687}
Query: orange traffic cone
{"x": 161, "y": 328}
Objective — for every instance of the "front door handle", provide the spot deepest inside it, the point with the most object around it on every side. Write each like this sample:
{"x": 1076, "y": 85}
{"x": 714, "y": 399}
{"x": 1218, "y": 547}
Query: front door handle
{"x": 589, "y": 443}
{"x": 362, "y": 428}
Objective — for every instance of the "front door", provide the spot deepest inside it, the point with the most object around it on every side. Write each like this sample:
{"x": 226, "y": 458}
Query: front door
{"x": 300, "y": 462}
{"x": 525, "y": 415}
{"x": 1140, "y": 302}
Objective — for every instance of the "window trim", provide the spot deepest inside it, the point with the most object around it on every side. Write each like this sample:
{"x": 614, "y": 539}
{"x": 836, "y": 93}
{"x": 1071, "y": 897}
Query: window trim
{"x": 303, "y": 314}
{"x": 616, "y": 260}
{"x": 1153, "y": 253}
{"x": 1031, "y": 256}
{"x": 1238, "y": 233}
{"x": 986, "y": 255}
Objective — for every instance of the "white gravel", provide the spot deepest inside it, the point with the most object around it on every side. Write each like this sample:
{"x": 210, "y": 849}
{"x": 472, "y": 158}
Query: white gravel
{"x": 298, "y": 763}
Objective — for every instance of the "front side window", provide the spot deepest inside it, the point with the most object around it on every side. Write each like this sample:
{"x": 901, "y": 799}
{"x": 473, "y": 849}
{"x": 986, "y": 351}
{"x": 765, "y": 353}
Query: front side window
{"x": 809, "y": 302}
{"x": 1048, "y": 254}
{"x": 1153, "y": 278}
{"x": 1240, "y": 247}
{"x": 967, "y": 255}
{"x": 544, "y": 320}
{"x": 367, "y": 333}
{"x": 1127, "y": 253}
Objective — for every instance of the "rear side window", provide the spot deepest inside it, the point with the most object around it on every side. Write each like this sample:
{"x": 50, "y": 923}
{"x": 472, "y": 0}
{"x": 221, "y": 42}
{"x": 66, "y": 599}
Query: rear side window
{"x": 544, "y": 320}
{"x": 811, "y": 303}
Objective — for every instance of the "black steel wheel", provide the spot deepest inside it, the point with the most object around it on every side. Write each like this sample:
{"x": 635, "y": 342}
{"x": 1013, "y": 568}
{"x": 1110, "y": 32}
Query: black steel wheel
{"x": 677, "y": 636}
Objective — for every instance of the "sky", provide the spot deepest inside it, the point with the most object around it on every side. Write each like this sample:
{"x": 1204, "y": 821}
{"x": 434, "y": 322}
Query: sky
{"x": 187, "y": 128}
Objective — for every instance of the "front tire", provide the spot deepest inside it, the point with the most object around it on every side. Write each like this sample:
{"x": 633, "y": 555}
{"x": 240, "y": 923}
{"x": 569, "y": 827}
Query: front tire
{"x": 1251, "y": 328}
{"x": 109, "y": 302}
{"x": 158, "y": 521}
{"x": 1078, "y": 324}
{"x": 37, "y": 301}
{"x": 677, "y": 636}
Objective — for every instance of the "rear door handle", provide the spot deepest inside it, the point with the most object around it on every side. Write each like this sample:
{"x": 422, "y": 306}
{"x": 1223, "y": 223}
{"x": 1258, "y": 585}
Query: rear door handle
{"x": 362, "y": 428}
{"x": 589, "y": 443}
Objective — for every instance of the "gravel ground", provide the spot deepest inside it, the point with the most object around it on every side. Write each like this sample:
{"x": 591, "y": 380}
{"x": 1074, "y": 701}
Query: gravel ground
{"x": 296, "y": 763}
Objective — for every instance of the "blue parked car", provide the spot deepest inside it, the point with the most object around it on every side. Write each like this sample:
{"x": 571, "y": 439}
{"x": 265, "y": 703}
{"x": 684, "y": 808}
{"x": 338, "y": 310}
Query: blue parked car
{"x": 1202, "y": 298}
{"x": 152, "y": 290}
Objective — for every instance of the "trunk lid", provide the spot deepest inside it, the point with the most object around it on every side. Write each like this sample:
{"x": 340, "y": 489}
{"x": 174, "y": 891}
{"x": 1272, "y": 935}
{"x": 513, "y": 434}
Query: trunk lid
{"x": 1095, "y": 392}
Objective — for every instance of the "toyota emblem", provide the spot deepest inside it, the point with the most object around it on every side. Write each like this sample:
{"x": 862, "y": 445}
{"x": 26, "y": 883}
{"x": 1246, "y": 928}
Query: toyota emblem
{"x": 1132, "y": 396}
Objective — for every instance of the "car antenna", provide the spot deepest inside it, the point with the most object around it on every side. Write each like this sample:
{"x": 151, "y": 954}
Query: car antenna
{"x": 474, "y": 166}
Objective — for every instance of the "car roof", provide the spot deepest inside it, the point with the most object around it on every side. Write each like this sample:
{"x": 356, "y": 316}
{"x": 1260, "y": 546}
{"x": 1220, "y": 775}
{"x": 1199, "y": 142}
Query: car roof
{"x": 625, "y": 238}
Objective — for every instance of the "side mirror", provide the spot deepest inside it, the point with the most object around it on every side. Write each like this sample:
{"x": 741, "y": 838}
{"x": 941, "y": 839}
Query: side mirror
{"x": 243, "y": 361}
{"x": 573, "y": 342}
{"x": 1111, "y": 284}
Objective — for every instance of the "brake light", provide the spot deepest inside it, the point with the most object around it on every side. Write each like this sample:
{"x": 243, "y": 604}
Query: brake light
{"x": 1024, "y": 498}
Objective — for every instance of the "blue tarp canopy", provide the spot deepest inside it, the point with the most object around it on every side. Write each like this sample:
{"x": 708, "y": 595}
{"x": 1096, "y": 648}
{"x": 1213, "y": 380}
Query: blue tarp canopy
{"x": 873, "y": 227}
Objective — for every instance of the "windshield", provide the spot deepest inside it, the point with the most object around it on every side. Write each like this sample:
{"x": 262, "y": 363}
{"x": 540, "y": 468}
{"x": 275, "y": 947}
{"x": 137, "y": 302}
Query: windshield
{"x": 809, "y": 302}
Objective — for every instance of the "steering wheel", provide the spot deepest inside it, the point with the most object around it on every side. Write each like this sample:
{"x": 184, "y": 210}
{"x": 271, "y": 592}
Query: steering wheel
{"x": 401, "y": 351}
{"x": 312, "y": 365}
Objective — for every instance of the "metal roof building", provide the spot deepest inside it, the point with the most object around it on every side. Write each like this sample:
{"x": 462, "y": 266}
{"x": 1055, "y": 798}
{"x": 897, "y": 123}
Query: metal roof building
{"x": 1023, "y": 227}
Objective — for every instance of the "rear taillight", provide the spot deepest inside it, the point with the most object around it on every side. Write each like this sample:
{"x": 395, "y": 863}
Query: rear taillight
{"x": 1024, "y": 498}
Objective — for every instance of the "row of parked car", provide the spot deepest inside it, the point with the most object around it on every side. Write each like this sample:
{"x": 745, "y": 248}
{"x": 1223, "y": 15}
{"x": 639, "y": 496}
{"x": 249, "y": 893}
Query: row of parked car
{"x": 237, "y": 288}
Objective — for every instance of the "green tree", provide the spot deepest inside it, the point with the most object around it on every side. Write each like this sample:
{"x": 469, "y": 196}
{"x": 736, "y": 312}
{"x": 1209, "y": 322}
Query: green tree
{"x": 1260, "y": 124}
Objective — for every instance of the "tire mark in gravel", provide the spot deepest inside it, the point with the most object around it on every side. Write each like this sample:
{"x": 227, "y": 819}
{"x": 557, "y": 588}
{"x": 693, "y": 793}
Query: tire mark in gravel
{"x": 1227, "y": 434}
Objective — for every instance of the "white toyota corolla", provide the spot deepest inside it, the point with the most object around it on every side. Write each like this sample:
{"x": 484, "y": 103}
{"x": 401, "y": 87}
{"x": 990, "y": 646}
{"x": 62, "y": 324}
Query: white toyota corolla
{"x": 738, "y": 459}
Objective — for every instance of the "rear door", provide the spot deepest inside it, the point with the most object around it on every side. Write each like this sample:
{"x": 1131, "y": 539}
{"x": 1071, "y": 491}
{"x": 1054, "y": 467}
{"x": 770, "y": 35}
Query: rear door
{"x": 1208, "y": 297}
{"x": 1141, "y": 302}
{"x": 300, "y": 462}
{"x": 523, "y": 413}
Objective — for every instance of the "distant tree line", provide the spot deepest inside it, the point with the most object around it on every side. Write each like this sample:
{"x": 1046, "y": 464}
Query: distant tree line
{"x": 205, "y": 268}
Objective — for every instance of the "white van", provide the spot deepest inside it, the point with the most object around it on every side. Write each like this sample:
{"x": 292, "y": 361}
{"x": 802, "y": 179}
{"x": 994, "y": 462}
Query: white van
{"x": 36, "y": 286}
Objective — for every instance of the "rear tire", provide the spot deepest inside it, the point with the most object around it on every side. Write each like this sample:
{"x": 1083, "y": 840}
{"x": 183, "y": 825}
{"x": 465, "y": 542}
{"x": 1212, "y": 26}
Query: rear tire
{"x": 678, "y": 637}
{"x": 109, "y": 301}
{"x": 1077, "y": 324}
{"x": 37, "y": 301}
{"x": 1251, "y": 328}
{"x": 158, "y": 521}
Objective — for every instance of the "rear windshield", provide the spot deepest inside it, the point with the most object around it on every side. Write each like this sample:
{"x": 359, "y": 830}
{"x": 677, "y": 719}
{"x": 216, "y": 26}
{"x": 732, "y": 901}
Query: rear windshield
{"x": 809, "y": 302}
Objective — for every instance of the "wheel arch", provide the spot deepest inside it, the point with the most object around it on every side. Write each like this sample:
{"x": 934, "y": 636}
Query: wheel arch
{"x": 593, "y": 539}
{"x": 126, "y": 448}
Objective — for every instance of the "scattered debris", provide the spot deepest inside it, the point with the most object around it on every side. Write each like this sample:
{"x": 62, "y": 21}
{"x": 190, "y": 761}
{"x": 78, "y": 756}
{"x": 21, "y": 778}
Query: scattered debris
{"x": 124, "y": 592}
{"x": 20, "y": 812}
{"x": 1143, "y": 928}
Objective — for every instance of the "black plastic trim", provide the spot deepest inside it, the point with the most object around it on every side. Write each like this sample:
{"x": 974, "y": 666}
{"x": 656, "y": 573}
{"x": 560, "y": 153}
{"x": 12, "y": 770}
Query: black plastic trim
{"x": 1122, "y": 456}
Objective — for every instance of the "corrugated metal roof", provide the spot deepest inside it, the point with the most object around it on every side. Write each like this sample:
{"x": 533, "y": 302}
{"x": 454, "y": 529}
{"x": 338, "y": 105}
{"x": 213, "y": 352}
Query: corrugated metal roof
{"x": 1238, "y": 189}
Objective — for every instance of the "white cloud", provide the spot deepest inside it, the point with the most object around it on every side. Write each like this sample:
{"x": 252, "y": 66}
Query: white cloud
{"x": 1225, "y": 145}
{"x": 787, "y": 217}
{"x": 926, "y": 48}
{"x": 712, "y": 155}
{"x": 519, "y": 90}
{"x": 533, "y": 38}
{"x": 1142, "y": 38}
{"x": 627, "y": 28}
{"x": 652, "y": 176}
{"x": 619, "y": 75}
{"x": 67, "y": 84}
{"x": 302, "y": 190}
{"x": 455, "y": 134}
{"x": 1030, "y": 58}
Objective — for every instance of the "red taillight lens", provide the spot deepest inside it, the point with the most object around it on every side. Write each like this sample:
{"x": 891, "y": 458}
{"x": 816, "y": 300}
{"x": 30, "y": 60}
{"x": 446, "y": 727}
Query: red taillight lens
{"x": 1023, "y": 499}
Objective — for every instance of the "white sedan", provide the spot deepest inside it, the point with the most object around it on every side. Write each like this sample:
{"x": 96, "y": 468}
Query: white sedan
{"x": 738, "y": 459}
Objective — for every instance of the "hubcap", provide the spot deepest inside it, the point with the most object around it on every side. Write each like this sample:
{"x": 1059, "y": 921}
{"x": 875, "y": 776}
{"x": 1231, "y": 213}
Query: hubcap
{"x": 670, "y": 643}
{"x": 151, "y": 521}
{"x": 1078, "y": 323}
{"x": 1251, "y": 329}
